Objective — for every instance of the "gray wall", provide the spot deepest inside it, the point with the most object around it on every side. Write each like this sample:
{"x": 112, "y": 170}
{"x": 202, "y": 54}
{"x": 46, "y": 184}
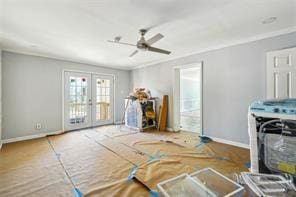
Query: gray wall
{"x": 0, "y": 97}
{"x": 32, "y": 92}
{"x": 233, "y": 78}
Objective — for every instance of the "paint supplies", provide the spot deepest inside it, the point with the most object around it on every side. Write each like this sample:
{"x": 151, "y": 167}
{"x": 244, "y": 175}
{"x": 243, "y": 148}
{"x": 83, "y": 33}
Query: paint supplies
{"x": 139, "y": 114}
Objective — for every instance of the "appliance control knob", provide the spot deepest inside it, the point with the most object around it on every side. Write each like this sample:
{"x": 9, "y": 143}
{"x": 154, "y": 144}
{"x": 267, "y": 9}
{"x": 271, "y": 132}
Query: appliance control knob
{"x": 276, "y": 110}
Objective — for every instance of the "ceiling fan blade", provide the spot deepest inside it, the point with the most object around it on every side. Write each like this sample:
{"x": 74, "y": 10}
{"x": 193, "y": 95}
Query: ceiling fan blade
{"x": 123, "y": 43}
{"x": 154, "y": 39}
{"x": 157, "y": 50}
{"x": 134, "y": 53}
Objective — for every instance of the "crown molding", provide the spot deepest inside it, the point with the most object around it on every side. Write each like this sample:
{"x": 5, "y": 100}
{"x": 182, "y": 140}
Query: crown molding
{"x": 65, "y": 59}
{"x": 233, "y": 43}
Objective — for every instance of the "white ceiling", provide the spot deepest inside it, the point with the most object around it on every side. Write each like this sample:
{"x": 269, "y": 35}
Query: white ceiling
{"x": 77, "y": 30}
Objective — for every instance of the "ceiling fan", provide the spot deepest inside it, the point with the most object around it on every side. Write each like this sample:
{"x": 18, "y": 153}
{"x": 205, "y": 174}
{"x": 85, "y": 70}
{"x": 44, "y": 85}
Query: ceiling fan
{"x": 143, "y": 44}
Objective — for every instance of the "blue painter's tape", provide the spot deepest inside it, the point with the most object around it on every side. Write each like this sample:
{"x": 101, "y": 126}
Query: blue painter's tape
{"x": 248, "y": 164}
{"x": 153, "y": 193}
{"x": 156, "y": 157}
{"x": 221, "y": 158}
{"x": 203, "y": 140}
{"x": 132, "y": 173}
{"x": 198, "y": 145}
{"x": 77, "y": 192}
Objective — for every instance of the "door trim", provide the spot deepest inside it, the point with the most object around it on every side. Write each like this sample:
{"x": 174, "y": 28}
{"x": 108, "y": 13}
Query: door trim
{"x": 176, "y": 94}
{"x": 87, "y": 72}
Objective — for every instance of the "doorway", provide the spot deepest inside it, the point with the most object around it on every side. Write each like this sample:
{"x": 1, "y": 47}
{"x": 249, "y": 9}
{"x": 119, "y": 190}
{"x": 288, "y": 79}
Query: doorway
{"x": 88, "y": 100}
{"x": 188, "y": 98}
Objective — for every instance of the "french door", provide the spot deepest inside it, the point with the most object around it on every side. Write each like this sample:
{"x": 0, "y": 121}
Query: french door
{"x": 88, "y": 100}
{"x": 102, "y": 97}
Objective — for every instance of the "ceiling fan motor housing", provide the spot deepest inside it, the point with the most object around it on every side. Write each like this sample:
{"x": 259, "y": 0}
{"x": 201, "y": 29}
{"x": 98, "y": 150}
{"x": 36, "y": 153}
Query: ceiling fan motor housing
{"x": 143, "y": 31}
{"x": 142, "y": 44}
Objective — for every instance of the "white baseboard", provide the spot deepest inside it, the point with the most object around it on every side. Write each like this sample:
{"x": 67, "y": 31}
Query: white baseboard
{"x": 224, "y": 141}
{"x": 30, "y": 137}
{"x": 229, "y": 142}
{"x": 118, "y": 122}
{"x": 169, "y": 129}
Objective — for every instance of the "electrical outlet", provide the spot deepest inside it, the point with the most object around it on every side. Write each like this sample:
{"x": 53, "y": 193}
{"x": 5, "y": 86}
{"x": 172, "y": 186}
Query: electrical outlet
{"x": 38, "y": 126}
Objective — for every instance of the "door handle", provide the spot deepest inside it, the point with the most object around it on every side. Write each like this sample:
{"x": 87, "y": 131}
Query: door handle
{"x": 89, "y": 102}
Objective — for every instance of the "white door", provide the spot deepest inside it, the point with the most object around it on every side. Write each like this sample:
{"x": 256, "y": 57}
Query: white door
{"x": 77, "y": 100}
{"x": 102, "y": 97}
{"x": 281, "y": 74}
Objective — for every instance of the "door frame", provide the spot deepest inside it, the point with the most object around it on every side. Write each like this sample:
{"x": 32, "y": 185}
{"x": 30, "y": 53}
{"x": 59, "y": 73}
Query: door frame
{"x": 176, "y": 94}
{"x": 87, "y": 72}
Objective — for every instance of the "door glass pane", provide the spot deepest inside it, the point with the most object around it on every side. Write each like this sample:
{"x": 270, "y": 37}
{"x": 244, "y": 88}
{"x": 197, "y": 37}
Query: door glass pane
{"x": 79, "y": 81}
{"x": 107, "y": 91}
{"x": 78, "y": 100}
{"x": 84, "y": 82}
{"x": 107, "y": 83}
{"x": 72, "y": 81}
{"x": 103, "y": 99}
